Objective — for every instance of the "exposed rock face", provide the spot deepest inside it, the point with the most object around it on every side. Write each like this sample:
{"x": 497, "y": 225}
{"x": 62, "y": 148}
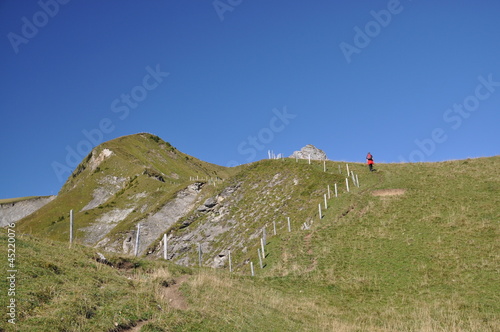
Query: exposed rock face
{"x": 104, "y": 224}
{"x": 95, "y": 161}
{"x": 12, "y": 212}
{"x": 215, "y": 212}
{"x": 110, "y": 186}
{"x": 152, "y": 226}
{"x": 310, "y": 150}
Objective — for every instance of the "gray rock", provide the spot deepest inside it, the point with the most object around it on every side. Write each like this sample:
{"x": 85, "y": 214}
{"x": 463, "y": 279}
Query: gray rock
{"x": 219, "y": 261}
{"x": 310, "y": 150}
{"x": 210, "y": 202}
{"x": 12, "y": 212}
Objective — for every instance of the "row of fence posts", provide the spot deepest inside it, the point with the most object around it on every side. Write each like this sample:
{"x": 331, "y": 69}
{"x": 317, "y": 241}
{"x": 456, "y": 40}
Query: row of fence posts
{"x": 273, "y": 155}
{"x": 263, "y": 239}
{"x": 327, "y": 196}
{"x": 210, "y": 181}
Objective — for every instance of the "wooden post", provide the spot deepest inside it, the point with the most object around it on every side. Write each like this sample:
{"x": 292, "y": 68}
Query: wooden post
{"x": 165, "y": 244}
{"x": 199, "y": 254}
{"x": 274, "y": 227}
{"x": 289, "y": 226}
{"x": 260, "y": 258}
{"x": 347, "y": 183}
{"x": 251, "y": 269}
{"x": 336, "y": 195}
{"x": 70, "y": 227}
{"x": 230, "y": 262}
{"x": 319, "y": 207}
{"x": 262, "y": 245}
{"x": 326, "y": 203}
{"x": 137, "y": 239}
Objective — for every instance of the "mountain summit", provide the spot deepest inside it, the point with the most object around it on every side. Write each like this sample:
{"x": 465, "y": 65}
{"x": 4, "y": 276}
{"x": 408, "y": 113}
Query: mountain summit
{"x": 310, "y": 151}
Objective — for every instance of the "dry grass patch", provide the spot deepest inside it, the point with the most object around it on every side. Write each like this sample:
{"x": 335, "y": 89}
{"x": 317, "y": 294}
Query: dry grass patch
{"x": 388, "y": 192}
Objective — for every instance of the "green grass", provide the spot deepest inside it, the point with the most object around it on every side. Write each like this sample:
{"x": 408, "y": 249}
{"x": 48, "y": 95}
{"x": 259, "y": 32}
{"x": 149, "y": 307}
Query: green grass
{"x": 426, "y": 260}
{"x": 134, "y": 159}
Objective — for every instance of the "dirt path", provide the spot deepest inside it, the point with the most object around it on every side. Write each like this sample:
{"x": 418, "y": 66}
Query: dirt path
{"x": 137, "y": 328}
{"x": 388, "y": 192}
{"x": 173, "y": 296}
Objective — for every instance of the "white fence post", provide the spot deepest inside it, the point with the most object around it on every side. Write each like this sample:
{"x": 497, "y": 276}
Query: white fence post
{"x": 326, "y": 203}
{"x": 165, "y": 244}
{"x": 251, "y": 269}
{"x": 264, "y": 237}
{"x": 357, "y": 180}
{"x": 319, "y": 207}
{"x": 347, "y": 183}
{"x": 289, "y": 226}
{"x": 262, "y": 245}
{"x": 230, "y": 262}
{"x": 336, "y": 195}
{"x": 70, "y": 227}
{"x": 199, "y": 254}
{"x": 137, "y": 239}
{"x": 347, "y": 165}
{"x": 274, "y": 227}
{"x": 260, "y": 258}
{"x": 329, "y": 192}
{"x": 324, "y": 165}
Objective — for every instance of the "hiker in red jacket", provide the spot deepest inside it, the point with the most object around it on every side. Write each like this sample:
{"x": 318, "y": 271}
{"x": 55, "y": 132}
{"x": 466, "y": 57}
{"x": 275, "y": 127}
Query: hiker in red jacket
{"x": 369, "y": 161}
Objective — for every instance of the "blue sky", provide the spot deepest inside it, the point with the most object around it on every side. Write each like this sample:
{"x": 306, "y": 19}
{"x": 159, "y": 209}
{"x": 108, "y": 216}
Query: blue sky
{"x": 227, "y": 80}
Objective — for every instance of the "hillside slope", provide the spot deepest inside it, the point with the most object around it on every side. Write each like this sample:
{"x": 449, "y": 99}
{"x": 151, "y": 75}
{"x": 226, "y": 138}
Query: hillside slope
{"x": 414, "y": 248}
{"x": 119, "y": 184}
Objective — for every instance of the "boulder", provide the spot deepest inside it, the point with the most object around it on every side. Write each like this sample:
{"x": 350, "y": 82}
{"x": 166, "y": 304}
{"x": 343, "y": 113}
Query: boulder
{"x": 310, "y": 150}
{"x": 210, "y": 202}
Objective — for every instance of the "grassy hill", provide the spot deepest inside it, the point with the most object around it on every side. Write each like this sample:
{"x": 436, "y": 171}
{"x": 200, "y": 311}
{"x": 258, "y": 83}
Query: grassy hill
{"x": 137, "y": 174}
{"x": 414, "y": 248}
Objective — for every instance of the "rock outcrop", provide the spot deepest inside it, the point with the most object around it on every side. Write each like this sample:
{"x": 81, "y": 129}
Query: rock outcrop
{"x": 12, "y": 212}
{"x": 310, "y": 151}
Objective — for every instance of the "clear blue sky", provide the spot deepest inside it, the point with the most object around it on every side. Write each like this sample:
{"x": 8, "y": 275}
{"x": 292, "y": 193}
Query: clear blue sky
{"x": 225, "y": 81}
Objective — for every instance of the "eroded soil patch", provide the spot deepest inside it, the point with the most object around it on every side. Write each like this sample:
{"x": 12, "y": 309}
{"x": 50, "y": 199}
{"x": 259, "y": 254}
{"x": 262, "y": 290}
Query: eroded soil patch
{"x": 388, "y": 192}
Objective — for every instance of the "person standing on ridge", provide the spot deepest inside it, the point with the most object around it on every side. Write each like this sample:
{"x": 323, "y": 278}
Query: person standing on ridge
{"x": 369, "y": 161}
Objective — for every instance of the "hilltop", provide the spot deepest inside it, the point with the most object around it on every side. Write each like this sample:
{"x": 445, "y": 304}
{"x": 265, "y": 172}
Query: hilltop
{"x": 413, "y": 248}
